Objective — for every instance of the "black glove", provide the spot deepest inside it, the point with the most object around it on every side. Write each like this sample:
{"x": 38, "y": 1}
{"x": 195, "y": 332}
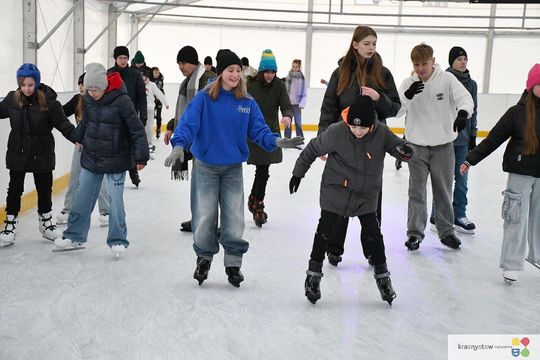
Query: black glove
{"x": 415, "y": 88}
{"x": 472, "y": 142}
{"x": 461, "y": 121}
{"x": 294, "y": 184}
{"x": 405, "y": 152}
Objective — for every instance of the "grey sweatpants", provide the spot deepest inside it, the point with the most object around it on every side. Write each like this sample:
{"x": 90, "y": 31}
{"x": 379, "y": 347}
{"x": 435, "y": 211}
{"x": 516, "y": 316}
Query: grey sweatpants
{"x": 521, "y": 215}
{"x": 438, "y": 163}
{"x": 103, "y": 199}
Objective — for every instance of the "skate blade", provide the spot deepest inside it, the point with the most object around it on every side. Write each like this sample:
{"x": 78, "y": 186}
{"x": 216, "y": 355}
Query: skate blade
{"x": 509, "y": 281}
{"x": 68, "y": 249}
{"x": 5, "y": 245}
{"x": 536, "y": 265}
{"x": 46, "y": 238}
{"x": 103, "y": 225}
{"x": 463, "y": 231}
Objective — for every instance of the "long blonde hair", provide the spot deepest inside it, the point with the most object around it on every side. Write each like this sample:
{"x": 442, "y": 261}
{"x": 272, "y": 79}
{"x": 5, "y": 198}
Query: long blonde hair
{"x": 42, "y": 102}
{"x": 531, "y": 140}
{"x": 354, "y": 62}
{"x": 240, "y": 91}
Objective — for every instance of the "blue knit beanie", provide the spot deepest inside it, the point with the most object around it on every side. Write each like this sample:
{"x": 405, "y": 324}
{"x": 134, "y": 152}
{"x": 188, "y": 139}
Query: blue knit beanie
{"x": 30, "y": 70}
{"x": 268, "y": 61}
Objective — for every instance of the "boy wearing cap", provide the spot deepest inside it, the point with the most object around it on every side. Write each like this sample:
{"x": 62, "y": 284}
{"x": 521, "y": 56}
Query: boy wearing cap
{"x": 350, "y": 185}
{"x": 437, "y": 107}
{"x": 113, "y": 141}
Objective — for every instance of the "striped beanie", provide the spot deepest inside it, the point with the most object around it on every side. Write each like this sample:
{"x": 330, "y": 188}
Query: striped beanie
{"x": 268, "y": 61}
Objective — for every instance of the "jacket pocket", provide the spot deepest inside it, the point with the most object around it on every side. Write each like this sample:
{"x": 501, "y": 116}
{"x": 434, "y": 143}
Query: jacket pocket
{"x": 511, "y": 207}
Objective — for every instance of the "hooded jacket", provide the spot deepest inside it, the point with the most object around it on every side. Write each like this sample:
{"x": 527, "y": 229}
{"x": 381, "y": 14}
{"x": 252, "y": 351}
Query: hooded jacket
{"x": 352, "y": 176}
{"x": 431, "y": 113}
{"x": 511, "y": 125}
{"x": 472, "y": 125}
{"x": 31, "y": 142}
{"x": 136, "y": 91}
{"x": 113, "y": 139}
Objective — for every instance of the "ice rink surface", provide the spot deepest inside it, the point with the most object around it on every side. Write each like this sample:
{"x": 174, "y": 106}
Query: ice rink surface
{"x": 146, "y": 305}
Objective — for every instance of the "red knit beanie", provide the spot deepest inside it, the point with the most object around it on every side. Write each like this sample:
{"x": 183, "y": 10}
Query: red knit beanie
{"x": 534, "y": 77}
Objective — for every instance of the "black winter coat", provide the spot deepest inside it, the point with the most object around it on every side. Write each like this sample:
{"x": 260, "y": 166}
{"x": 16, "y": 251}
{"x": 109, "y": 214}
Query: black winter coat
{"x": 511, "y": 125}
{"x": 113, "y": 138}
{"x": 387, "y": 106}
{"x": 136, "y": 90}
{"x": 31, "y": 142}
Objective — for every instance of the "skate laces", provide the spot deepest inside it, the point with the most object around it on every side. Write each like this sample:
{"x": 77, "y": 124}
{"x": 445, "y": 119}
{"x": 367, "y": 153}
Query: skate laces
{"x": 8, "y": 224}
{"x": 45, "y": 220}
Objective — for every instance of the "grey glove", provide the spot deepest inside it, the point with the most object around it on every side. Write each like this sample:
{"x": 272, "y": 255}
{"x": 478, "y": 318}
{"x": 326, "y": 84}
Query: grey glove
{"x": 295, "y": 142}
{"x": 177, "y": 153}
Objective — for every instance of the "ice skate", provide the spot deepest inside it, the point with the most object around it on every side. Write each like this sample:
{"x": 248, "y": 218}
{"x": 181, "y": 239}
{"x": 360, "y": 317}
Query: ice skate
{"x": 382, "y": 277}
{"x": 186, "y": 226}
{"x": 47, "y": 227}
{"x": 201, "y": 272}
{"x": 251, "y": 203}
{"x": 464, "y": 225}
{"x": 451, "y": 241}
{"x": 62, "y": 244}
{"x": 259, "y": 216}
{"x": 62, "y": 218}
{"x": 533, "y": 263}
{"x": 313, "y": 281}
{"x": 118, "y": 250}
{"x": 432, "y": 225}
{"x": 9, "y": 233}
{"x": 398, "y": 164}
{"x": 103, "y": 220}
{"x": 333, "y": 259}
{"x": 413, "y": 243}
{"x": 235, "y": 275}
{"x": 510, "y": 277}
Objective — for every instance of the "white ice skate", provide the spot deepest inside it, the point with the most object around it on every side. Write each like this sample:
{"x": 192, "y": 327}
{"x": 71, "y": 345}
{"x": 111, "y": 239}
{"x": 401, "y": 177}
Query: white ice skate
{"x": 62, "y": 218}
{"x": 510, "y": 277}
{"x": 103, "y": 220}
{"x": 8, "y": 234}
{"x": 118, "y": 250}
{"x": 47, "y": 227}
{"x": 63, "y": 244}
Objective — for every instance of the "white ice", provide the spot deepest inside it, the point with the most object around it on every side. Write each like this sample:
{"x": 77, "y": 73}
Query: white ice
{"x": 146, "y": 305}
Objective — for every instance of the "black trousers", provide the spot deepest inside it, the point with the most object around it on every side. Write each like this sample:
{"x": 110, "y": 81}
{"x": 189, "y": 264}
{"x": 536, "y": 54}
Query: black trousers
{"x": 259, "y": 183}
{"x": 43, "y": 182}
{"x": 336, "y": 243}
{"x": 158, "y": 108}
{"x": 370, "y": 236}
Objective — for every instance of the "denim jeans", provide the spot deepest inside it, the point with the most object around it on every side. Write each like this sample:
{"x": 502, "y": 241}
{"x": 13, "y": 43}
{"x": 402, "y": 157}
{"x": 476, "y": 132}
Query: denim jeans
{"x": 84, "y": 201}
{"x": 216, "y": 187}
{"x": 297, "y": 117}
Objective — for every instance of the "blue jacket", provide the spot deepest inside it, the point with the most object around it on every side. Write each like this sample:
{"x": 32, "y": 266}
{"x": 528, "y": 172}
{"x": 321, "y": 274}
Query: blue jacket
{"x": 472, "y": 124}
{"x": 217, "y": 129}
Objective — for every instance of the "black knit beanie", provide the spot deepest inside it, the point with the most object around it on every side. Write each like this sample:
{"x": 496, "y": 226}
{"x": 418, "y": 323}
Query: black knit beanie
{"x": 208, "y": 60}
{"x": 361, "y": 112}
{"x": 226, "y": 58}
{"x": 454, "y": 53}
{"x": 188, "y": 54}
{"x": 120, "y": 50}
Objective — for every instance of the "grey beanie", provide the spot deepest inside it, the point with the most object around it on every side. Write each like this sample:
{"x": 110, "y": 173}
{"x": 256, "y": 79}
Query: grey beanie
{"x": 96, "y": 77}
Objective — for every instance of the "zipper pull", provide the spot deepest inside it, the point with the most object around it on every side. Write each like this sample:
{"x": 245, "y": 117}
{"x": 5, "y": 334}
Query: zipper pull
{"x": 368, "y": 155}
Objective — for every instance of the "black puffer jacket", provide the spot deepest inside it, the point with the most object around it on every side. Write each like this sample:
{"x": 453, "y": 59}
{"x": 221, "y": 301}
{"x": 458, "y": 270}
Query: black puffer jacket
{"x": 511, "y": 125}
{"x": 135, "y": 87}
{"x": 387, "y": 106}
{"x": 31, "y": 142}
{"x": 113, "y": 138}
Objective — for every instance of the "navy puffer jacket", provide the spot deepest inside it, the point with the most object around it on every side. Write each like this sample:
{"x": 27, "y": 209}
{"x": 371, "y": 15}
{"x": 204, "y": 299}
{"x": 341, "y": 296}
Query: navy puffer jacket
{"x": 112, "y": 135}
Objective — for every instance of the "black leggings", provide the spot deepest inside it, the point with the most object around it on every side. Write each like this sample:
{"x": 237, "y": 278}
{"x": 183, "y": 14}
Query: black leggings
{"x": 159, "y": 106}
{"x": 259, "y": 183}
{"x": 370, "y": 235}
{"x": 43, "y": 182}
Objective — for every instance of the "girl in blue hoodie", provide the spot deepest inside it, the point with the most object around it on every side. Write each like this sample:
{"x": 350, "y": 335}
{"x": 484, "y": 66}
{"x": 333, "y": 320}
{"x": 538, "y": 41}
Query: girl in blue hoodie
{"x": 216, "y": 123}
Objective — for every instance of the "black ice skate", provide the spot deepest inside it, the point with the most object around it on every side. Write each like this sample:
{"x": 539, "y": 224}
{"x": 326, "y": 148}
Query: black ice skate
{"x": 333, "y": 259}
{"x": 313, "y": 281}
{"x": 382, "y": 277}
{"x": 413, "y": 243}
{"x": 186, "y": 226}
{"x": 201, "y": 272}
{"x": 259, "y": 216}
{"x": 251, "y": 203}
{"x": 451, "y": 241}
{"x": 235, "y": 275}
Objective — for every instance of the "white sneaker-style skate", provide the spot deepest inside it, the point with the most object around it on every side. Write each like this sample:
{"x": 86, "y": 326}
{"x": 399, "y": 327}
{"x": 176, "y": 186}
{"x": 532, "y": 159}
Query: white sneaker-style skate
{"x": 103, "y": 220}
{"x": 8, "y": 234}
{"x": 510, "y": 277}
{"x": 47, "y": 227}
{"x": 63, "y": 244}
{"x": 118, "y": 250}
{"x": 62, "y": 218}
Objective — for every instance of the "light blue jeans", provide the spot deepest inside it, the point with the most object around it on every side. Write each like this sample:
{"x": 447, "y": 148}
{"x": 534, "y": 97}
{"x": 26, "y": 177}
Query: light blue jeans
{"x": 216, "y": 188}
{"x": 85, "y": 199}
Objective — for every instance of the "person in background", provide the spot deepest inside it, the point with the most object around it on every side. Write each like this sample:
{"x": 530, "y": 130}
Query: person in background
{"x": 157, "y": 78}
{"x": 521, "y": 160}
{"x": 247, "y": 70}
{"x": 216, "y": 124}
{"x": 33, "y": 112}
{"x": 152, "y": 94}
{"x": 139, "y": 64}
{"x": 208, "y": 64}
{"x": 296, "y": 87}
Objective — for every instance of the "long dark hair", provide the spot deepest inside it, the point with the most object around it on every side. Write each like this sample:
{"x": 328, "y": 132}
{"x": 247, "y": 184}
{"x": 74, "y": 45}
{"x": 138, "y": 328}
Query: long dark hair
{"x": 531, "y": 140}
{"x": 354, "y": 63}
{"x": 42, "y": 102}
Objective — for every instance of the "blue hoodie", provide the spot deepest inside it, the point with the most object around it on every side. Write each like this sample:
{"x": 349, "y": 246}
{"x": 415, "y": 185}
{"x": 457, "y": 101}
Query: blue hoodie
{"x": 217, "y": 129}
